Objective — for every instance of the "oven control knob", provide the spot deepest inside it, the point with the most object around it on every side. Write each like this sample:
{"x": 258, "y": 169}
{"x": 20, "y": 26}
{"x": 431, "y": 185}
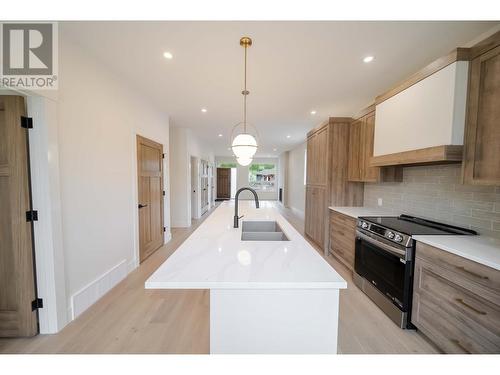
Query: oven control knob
{"x": 364, "y": 225}
{"x": 390, "y": 235}
{"x": 398, "y": 238}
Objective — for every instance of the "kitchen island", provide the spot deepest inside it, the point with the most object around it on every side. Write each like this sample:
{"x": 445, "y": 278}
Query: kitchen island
{"x": 265, "y": 296}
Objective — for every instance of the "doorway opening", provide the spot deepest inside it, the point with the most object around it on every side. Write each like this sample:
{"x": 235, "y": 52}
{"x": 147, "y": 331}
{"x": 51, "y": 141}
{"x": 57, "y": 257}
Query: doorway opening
{"x": 227, "y": 174}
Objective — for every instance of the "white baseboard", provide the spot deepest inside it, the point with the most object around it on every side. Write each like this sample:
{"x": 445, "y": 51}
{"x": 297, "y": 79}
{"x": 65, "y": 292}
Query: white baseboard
{"x": 88, "y": 295}
{"x": 180, "y": 224}
{"x": 132, "y": 265}
{"x": 168, "y": 237}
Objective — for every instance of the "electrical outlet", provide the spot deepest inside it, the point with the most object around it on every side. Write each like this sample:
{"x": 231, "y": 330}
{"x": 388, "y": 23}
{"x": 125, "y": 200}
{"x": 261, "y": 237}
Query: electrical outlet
{"x": 379, "y": 201}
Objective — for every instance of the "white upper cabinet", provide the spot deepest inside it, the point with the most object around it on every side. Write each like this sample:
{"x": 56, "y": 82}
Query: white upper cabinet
{"x": 429, "y": 113}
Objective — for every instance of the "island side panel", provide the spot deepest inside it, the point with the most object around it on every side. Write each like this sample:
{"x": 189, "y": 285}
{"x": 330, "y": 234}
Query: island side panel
{"x": 274, "y": 321}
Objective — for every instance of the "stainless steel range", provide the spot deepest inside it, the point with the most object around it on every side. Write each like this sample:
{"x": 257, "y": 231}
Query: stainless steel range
{"x": 384, "y": 260}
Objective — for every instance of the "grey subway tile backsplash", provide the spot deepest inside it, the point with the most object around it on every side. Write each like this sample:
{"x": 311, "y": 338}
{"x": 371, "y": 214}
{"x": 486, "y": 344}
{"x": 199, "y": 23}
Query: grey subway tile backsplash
{"x": 435, "y": 192}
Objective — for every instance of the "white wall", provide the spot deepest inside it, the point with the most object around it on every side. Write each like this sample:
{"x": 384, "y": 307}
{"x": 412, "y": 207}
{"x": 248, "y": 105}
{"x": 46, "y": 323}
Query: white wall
{"x": 184, "y": 146}
{"x": 242, "y": 177}
{"x": 180, "y": 169}
{"x": 99, "y": 117}
{"x": 198, "y": 148}
{"x": 296, "y": 192}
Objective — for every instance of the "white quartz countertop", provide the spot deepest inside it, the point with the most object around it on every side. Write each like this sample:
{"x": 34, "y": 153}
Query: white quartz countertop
{"x": 480, "y": 249}
{"x": 215, "y": 257}
{"x": 356, "y": 212}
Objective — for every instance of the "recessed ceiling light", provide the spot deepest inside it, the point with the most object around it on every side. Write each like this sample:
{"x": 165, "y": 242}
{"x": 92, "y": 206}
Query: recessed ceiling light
{"x": 220, "y": 135}
{"x": 204, "y": 110}
{"x": 313, "y": 112}
{"x": 288, "y": 136}
{"x": 368, "y": 59}
{"x": 168, "y": 55}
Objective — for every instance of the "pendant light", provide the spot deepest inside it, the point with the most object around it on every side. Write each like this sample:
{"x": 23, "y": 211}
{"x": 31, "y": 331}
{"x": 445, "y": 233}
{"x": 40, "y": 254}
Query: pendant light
{"x": 244, "y": 161}
{"x": 244, "y": 144}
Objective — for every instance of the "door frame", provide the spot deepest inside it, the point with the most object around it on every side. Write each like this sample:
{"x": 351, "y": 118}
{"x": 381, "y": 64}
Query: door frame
{"x": 166, "y": 234}
{"x": 217, "y": 185}
{"x": 45, "y": 193}
{"x": 195, "y": 196}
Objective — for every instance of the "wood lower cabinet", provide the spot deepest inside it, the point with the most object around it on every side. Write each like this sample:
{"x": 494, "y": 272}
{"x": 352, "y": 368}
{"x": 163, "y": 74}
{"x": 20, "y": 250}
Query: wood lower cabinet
{"x": 326, "y": 177}
{"x": 482, "y": 131}
{"x": 456, "y": 302}
{"x": 361, "y": 138}
{"x": 342, "y": 238}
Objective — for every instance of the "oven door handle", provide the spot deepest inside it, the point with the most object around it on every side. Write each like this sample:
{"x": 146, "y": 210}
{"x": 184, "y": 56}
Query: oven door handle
{"x": 393, "y": 250}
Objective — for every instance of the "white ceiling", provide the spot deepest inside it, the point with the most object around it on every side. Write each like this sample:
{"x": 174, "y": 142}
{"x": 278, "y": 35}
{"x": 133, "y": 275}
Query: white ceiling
{"x": 294, "y": 67}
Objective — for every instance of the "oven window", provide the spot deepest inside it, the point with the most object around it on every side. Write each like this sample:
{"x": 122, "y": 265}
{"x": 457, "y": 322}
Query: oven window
{"x": 382, "y": 269}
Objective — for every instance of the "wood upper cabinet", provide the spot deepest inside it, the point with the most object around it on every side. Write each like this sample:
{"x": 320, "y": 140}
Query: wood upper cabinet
{"x": 317, "y": 157}
{"x": 373, "y": 174}
{"x": 355, "y": 157}
{"x": 482, "y": 132}
{"x": 361, "y": 138}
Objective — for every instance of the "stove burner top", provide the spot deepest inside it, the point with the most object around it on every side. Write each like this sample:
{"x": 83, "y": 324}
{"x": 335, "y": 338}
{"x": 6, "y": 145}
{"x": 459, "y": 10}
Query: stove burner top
{"x": 412, "y": 225}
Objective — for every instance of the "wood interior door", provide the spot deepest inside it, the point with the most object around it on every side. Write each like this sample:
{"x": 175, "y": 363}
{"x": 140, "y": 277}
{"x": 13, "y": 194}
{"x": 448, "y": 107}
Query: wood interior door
{"x": 224, "y": 183}
{"x": 17, "y": 277}
{"x": 150, "y": 189}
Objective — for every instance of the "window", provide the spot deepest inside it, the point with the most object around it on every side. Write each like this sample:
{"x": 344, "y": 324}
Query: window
{"x": 227, "y": 165}
{"x": 262, "y": 177}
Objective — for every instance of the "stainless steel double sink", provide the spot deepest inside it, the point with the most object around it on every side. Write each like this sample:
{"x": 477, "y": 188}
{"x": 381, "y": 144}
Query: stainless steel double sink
{"x": 262, "y": 231}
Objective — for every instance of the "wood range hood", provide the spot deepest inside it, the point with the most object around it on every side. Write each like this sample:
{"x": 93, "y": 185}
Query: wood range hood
{"x": 425, "y": 156}
{"x": 421, "y": 121}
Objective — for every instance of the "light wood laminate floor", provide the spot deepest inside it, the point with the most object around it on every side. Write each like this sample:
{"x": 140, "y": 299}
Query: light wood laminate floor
{"x": 130, "y": 319}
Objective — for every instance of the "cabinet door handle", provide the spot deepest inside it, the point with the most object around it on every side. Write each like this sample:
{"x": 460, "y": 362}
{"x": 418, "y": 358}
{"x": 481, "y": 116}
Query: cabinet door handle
{"x": 457, "y": 343}
{"x": 463, "y": 269}
{"x": 461, "y": 301}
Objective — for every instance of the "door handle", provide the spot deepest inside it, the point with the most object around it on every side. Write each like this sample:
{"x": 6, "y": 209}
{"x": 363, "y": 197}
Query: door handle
{"x": 142, "y": 205}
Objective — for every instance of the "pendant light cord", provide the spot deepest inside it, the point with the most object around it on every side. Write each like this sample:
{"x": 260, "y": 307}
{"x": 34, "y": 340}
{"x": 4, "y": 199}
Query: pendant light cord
{"x": 245, "y": 93}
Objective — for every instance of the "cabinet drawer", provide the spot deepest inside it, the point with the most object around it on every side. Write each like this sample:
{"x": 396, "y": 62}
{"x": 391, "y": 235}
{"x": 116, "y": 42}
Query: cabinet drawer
{"x": 343, "y": 254}
{"x": 342, "y": 219}
{"x": 474, "y": 277}
{"x": 448, "y": 332}
{"x": 342, "y": 238}
{"x": 342, "y": 230}
{"x": 477, "y": 320}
